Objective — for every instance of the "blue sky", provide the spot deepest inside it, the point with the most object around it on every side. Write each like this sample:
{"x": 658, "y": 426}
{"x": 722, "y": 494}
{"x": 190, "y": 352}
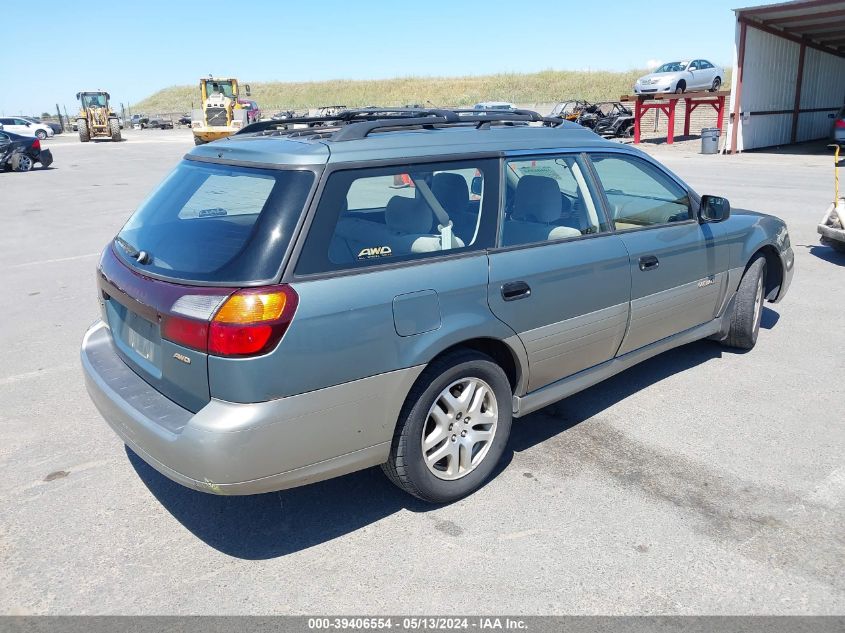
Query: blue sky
{"x": 144, "y": 46}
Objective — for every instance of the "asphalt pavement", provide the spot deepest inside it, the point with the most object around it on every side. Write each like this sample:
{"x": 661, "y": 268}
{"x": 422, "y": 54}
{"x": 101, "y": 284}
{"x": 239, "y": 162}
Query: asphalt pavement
{"x": 702, "y": 481}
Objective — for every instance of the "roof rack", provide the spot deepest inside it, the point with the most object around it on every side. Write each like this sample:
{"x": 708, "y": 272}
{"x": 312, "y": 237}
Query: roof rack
{"x": 357, "y": 124}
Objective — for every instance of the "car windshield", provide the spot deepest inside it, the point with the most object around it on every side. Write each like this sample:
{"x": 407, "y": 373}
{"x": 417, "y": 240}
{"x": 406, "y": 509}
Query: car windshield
{"x": 219, "y": 87}
{"x": 671, "y": 67}
{"x": 93, "y": 101}
{"x": 216, "y": 223}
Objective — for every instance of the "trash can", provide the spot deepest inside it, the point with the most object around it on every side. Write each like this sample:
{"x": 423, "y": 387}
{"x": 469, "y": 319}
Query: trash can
{"x": 710, "y": 140}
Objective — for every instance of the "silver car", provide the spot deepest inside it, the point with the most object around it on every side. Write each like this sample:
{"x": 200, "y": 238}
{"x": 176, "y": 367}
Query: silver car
{"x": 280, "y": 312}
{"x": 684, "y": 76}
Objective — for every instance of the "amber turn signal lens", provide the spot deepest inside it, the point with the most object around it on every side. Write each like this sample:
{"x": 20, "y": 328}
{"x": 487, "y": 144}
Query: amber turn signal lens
{"x": 252, "y": 308}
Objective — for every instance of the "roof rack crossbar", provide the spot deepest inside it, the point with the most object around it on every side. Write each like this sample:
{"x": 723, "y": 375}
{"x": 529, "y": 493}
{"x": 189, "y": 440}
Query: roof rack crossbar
{"x": 355, "y": 131}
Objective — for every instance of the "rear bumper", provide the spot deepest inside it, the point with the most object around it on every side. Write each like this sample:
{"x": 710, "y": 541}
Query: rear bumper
{"x": 45, "y": 157}
{"x": 231, "y": 448}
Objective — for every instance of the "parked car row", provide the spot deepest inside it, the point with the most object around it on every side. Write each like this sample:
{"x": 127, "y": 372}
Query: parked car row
{"x": 26, "y": 127}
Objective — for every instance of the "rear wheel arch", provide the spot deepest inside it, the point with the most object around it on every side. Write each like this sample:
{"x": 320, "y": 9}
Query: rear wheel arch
{"x": 502, "y": 353}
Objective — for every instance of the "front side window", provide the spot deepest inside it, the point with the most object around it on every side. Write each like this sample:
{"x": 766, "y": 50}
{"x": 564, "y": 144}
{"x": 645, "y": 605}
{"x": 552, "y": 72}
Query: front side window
{"x": 638, "y": 193}
{"x": 393, "y": 214}
{"x": 548, "y": 198}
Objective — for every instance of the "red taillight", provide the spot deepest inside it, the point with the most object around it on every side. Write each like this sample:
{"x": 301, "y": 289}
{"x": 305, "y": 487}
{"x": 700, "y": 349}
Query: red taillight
{"x": 246, "y": 323}
{"x": 840, "y": 123}
{"x": 252, "y": 321}
{"x": 37, "y": 145}
{"x": 188, "y": 332}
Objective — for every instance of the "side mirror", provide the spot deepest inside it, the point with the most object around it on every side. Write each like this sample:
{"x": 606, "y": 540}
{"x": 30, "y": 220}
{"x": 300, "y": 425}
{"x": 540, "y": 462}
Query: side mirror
{"x": 477, "y": 186}
{"x": 28, "y": 124}
{"x": 246, "y": 87}
{"x": 714, "y": 209}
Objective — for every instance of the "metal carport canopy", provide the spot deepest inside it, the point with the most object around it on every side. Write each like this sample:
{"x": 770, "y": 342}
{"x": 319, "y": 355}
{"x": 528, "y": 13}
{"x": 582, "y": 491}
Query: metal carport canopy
{"x": 789, "y": 72}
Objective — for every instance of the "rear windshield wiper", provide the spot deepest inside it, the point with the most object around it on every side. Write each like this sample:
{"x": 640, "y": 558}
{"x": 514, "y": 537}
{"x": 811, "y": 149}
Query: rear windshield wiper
{"x": 143, "y": 257}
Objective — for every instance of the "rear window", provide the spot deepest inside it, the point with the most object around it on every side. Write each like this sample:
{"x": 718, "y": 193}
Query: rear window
{"x": 216, "y": 223}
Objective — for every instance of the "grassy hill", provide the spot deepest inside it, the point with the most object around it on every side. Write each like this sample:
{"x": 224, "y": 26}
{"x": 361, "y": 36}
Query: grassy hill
{"x": 542, "y": 87}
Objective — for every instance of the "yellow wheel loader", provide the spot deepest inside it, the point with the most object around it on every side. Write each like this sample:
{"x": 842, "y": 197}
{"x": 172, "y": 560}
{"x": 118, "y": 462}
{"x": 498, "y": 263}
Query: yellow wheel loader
{"x": 223, "y": 110}
{"x": 96, "y": 119}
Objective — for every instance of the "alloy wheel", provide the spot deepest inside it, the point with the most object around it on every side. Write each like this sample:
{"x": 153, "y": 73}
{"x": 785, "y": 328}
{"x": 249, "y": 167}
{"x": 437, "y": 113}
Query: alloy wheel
{"x": 460, "y": 428}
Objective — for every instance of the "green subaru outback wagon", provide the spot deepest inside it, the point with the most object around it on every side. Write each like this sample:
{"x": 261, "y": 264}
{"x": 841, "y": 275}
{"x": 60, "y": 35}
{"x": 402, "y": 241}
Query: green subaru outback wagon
{"x": 392, "y": 287}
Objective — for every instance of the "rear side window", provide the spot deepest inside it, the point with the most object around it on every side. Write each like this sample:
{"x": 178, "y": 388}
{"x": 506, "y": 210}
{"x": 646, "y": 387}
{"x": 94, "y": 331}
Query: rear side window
{"x": 217, "y": 223}
{"x": 386, "y": 215}
{"x": 548, "y": 198}
{"x": 638, "y": 193}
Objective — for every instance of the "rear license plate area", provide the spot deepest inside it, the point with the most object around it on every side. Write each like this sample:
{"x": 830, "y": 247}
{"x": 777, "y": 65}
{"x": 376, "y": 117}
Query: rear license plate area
{"x": 140, "y": 338}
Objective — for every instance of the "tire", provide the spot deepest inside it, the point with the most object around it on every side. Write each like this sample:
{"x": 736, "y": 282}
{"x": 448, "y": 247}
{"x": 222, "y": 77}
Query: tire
{"x": 681, "y": 87}
{"x": 717, "y": 83}
{"x": 84, "y": 133}
{"x": 114, "y": 129}
{"x": 21, "y": 162}
{"x": 748, "y": 306}
{"x": 451, "y": 375}
{"x": 41, "y": 135}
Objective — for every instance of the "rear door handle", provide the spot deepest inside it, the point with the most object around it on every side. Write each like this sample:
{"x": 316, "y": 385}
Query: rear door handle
{"x": 649, "y": 262}
{"x": 514, "y": 290}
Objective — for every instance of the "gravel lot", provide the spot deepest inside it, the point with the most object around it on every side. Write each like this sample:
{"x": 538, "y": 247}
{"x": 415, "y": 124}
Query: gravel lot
{"x": 703, "y": 481}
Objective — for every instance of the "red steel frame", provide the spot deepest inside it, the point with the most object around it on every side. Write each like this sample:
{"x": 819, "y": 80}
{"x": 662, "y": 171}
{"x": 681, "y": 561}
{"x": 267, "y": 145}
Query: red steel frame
{"x": 667, "y": 106}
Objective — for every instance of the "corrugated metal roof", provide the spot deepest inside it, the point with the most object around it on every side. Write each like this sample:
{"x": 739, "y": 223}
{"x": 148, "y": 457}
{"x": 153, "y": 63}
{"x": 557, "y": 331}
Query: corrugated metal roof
{"x": 821, "y": 22}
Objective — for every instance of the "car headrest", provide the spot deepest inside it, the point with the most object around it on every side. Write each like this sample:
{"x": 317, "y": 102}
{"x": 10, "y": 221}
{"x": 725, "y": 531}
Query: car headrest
{"x": 451, "y": 191}
{"x": 538, "y": 199}
{"x": 408, "y": 215}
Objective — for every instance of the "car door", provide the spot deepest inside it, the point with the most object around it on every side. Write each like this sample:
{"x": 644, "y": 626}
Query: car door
{"x": 24, "y": 127}
{"x": 678, "y": 265}
{"x": 559, "y": 276}
{"x": 9, "y": 125}
{"x": 694, "y": 69}
{"x": 708, "y": 73}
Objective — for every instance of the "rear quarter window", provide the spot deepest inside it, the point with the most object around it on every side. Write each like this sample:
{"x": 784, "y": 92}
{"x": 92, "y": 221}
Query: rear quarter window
{"x": 368, "y": 217}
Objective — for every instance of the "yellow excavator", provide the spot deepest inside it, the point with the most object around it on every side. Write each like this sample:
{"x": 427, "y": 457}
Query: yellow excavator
{"x": 223, "y": 111}
{"x": 96, "y": 119}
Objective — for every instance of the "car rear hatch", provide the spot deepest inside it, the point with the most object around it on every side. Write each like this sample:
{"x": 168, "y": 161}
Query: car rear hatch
{"x": 205, "y": 234}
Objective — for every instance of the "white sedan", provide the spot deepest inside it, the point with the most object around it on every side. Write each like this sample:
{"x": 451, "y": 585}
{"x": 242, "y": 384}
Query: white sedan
{"x": 678, "y": 77}
{"x": 25, "y": 127}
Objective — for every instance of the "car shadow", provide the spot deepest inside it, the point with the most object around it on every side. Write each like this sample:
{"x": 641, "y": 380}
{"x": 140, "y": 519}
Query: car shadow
{"x": 275, "y": 524}
{"x": 828, "y": 254}
{"x": 769, "y": 318}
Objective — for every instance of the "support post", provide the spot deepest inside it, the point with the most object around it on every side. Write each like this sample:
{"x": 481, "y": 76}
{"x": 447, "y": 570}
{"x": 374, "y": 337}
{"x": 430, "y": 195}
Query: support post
{"x": 796, "y": 109}
{"x": 638, "y": 115}
{"x": 737, "y": 96}
{"x": 670, "y": 136}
